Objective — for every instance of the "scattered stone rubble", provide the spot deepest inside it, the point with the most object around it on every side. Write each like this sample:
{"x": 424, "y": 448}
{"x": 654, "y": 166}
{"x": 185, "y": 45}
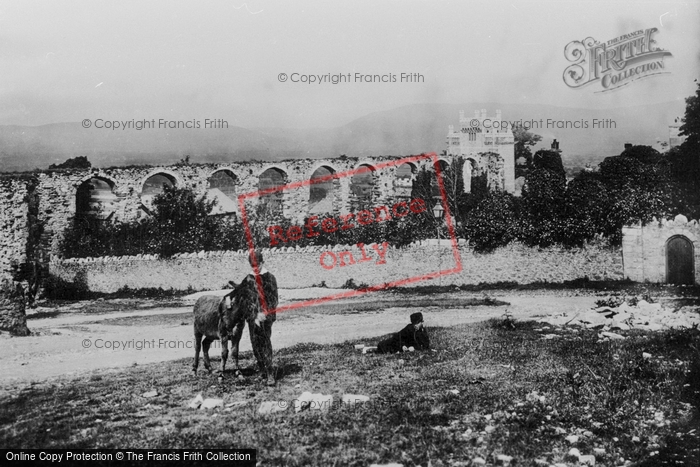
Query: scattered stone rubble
{"x": 200, "y": 403}
{"x": 310, "y": 401}
{"x": 581, "y": 447}
{"x": 268, "y": 407}
{"x": 643, "y": 316}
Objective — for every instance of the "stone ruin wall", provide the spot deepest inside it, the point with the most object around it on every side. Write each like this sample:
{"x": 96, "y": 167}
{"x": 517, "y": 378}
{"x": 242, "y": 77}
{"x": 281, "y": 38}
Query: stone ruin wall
{"x": 495, "y": 174}
{"x": 644, "y": 249}
{"x": 16, "y": 203}
{"x": 14, "y": 224}
{"x": 56, "y": 192}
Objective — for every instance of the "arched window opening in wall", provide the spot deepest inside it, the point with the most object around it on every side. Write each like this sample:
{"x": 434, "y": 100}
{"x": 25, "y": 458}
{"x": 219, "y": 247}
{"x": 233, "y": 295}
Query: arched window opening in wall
{"x": 435, "y": 187}
{"x": 272, "y": 204}
{"x": 469, "y": 171}
{"x": 321, "y": 191}
{"x": 680, "y": 261}
{"x": 362, "y": 187}
{"x": 221, "y": 187}
{"x": 403, "y": 185}
{"x": 95, "y": 198}
{"x": 155, "y": 184}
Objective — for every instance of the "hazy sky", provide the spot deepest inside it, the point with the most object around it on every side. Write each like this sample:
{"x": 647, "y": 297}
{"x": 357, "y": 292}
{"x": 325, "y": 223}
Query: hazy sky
{"x": 65, "y": 61}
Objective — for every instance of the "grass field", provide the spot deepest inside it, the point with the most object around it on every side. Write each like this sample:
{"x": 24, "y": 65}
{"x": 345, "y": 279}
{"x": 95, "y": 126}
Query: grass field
{"x": 494, "y": 388}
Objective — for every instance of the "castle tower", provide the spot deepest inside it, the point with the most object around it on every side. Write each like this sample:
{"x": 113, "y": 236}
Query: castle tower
{"x": 476, "y": 138}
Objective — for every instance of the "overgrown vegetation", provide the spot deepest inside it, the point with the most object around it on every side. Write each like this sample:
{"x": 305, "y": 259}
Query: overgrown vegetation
{"x": 179, "y": 223}
{"x": 80, "y": 162}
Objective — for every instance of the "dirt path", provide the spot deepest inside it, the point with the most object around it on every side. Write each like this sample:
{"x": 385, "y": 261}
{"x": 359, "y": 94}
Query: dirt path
{"x": 70, "y": 344}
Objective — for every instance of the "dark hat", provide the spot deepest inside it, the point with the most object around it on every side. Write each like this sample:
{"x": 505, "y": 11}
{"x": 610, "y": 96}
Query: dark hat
{"x": 416, "y": 318}
{"x": 258, "y": 257}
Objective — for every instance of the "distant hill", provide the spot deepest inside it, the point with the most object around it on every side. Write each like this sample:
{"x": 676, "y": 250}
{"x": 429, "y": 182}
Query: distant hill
{"x": 402, "y": 131}
{"x": 26, "y": 148}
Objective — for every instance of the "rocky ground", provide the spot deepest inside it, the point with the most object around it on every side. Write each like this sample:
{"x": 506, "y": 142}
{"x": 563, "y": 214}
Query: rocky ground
{"x": 624, "y": 315}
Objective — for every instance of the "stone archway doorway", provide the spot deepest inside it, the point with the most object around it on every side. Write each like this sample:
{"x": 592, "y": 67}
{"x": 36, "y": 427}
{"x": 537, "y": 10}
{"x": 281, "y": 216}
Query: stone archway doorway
{"x": 680, "y": 261}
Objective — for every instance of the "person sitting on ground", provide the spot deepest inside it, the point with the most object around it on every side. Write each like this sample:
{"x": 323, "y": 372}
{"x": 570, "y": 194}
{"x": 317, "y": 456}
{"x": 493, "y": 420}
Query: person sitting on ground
{"x": 413, "y": 336}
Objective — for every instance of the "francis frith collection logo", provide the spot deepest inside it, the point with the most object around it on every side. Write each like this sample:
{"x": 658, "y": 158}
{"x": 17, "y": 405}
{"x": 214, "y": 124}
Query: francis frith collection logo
{"x": 615, "y": 63}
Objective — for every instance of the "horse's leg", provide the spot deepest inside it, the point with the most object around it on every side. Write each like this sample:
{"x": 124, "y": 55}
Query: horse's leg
{"x": 205, "y": 344}
{"x": 197, "y": 348}
{"x": 236, "y": 334}
{"x": 224, "y": 353}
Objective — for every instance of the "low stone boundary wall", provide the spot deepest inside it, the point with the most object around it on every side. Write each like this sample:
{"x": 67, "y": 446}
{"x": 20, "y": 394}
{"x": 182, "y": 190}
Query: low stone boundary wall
{"x": 299, "y": 268}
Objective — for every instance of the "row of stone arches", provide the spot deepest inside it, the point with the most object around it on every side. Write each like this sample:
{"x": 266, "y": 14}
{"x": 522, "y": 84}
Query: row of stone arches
{"x": 324, "y": 187}
{"x": 97, "y": 196}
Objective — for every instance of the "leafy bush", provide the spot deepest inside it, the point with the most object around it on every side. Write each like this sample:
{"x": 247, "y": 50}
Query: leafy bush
{"x": 149, "y": 292}
{"x": 549, "y": 160}
{"x": 181, "y": 223}
{"x": 80, "y": 162}
{"x": 89, "y": 237}
{"x": 584, "y": 211}
{"x": 507, "y": 321}
{"x": 492, "y": 223}
{"x": 541, "y": 207}
{"x": 350, "y": 284}
{"x": 637, "y": 191}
